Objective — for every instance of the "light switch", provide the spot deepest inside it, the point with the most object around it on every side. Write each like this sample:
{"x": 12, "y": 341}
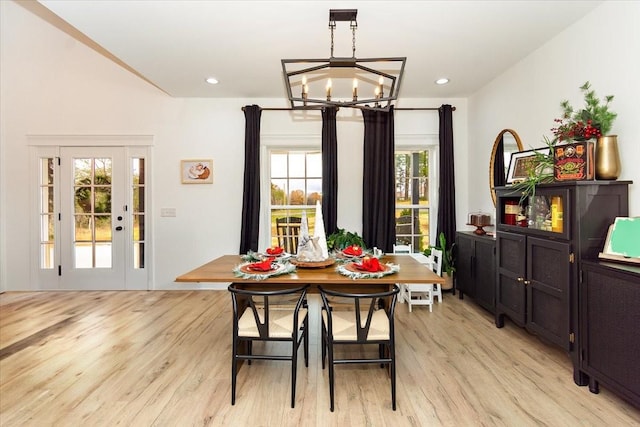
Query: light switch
{"x": 171, "y": 212}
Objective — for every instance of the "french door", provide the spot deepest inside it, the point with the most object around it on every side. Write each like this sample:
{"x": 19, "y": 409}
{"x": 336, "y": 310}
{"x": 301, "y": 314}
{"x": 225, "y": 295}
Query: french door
{"x": 92, "y": 220}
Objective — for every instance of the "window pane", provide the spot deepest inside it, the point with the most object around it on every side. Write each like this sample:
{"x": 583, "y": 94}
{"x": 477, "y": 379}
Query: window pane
{"x": 138, "y": 171}
{"x": 279, "y": 165}
{"x": 297, "y": 194}
{"x": 297, "y": 165}
{"x": 46, "y": 255}
{"x": 138, "y": 255}
{"x": 83, "y": 255}
{"x": 138, "y": 227}
{"x": 83, "y": 228}
{"x": 314, "y": 165}
{"x": 103, "y": 228}
{"x": 102, "y": 171}
{"x": 102, "y": 202}
{"x": 82, "y": 200}
{"x": 103, "y": 255}
{"x": 314, "y": 191}
{"x": 138, "y": 199}
{"x": 278, "y": 191}
{"x": 46, "y": 228}
{"x": 412, "y": 198}
{"x": 82, "y": 171}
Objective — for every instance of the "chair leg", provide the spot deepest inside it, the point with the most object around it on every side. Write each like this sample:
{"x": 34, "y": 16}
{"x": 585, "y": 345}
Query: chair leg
{"x": 392, "y": 354}
{"x": 306, "y": 341}
{"x": 409, "y": 299}
{"x": 234, "y": 370}
{"x": 331, "y": 375}
{"x": 324, "y": 346}
{"x": 249, "y": 350}
{"x": 294, "y": 370}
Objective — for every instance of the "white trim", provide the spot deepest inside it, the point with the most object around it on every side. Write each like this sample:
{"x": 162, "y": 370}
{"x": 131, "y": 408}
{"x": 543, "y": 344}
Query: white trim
{"x": 90, "y": 140}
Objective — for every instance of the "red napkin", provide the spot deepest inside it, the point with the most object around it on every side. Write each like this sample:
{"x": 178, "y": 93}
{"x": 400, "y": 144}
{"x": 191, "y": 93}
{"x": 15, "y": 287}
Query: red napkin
{"x": 261, "y": 266}
{"x": 353, "y": 250}
{"x": 276, "y": 250}
{"x": 371, "y": 265}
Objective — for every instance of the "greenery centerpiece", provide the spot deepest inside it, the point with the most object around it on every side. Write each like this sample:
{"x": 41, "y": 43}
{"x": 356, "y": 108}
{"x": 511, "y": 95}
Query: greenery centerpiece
{"x": 594, "y": 120}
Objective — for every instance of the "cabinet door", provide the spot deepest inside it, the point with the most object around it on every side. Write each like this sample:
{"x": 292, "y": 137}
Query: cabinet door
{"x": 510, "y": 288}
{"x": 610, "y": 337}
{"x": 485, "y": 274}
{"x": 464, "y": 265}
{"x": 548, "y": 283}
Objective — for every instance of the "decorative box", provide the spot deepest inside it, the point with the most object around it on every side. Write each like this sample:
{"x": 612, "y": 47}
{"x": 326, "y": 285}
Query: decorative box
{"x": 573, "y": 161}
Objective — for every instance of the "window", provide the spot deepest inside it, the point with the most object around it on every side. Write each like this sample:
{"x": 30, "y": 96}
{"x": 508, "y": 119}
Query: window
{"x": 47, "y": 213}
{"x": 295, "y": 186}
{"x": 138, "y": 214}
{"x": 412, "y": 197}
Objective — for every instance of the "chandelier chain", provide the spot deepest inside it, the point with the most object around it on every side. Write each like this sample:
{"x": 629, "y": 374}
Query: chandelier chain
{"x": 332, "y": 26}
{"x": 354, "y": 25}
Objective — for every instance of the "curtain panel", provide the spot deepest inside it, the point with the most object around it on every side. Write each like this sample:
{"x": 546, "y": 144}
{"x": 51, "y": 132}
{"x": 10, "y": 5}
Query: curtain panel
{"x": 447, "y": 190}
{"x": 251, "y": 188}
{"x": 378, "y": 196}
{"x": 329, "y": 170}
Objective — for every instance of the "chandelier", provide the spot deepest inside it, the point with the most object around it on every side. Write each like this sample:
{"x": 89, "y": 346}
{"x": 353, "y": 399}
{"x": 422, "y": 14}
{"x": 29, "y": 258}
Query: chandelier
{"x": 371, "y": 83}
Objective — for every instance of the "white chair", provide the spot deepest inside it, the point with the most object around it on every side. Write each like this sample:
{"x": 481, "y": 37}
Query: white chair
{"x": 436, "y": 266}
{"x": 402, "y": 250}
{"x": 424, "y": 293}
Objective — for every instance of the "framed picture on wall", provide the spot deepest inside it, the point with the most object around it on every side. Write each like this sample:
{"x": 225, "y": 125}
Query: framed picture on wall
{"x": 521, "y": 162}
{"x": 197, "y": 171}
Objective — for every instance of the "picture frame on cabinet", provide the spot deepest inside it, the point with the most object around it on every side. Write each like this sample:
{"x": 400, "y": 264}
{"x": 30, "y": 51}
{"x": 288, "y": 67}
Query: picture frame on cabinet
{"x": 196, "y": 171}
{"x": 521, "y": 162}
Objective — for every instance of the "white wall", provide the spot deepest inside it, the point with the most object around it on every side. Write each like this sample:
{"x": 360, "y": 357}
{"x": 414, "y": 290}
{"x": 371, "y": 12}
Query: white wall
{"x": 54, "y": 85}
{"x": 602, "y": 48}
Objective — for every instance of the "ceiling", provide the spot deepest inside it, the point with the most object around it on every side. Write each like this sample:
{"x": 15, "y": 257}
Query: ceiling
{"x": 176, "y": 44}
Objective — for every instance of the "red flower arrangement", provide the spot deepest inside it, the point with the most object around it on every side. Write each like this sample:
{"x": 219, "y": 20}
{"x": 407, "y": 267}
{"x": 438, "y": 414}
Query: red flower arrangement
{"x": 577, "y": 131}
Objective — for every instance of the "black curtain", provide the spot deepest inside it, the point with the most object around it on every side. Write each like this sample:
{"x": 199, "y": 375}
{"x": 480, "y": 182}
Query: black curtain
{"x": 447, "y": 191}
{"x": 329, "y": 170}
{"x": 378, "y": 198}
{"x": 498, "y": 165}
{"x": 251, "y": 189}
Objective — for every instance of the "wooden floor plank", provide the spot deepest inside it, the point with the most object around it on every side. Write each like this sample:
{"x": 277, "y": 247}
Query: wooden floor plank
{"x": 163, "y": 358}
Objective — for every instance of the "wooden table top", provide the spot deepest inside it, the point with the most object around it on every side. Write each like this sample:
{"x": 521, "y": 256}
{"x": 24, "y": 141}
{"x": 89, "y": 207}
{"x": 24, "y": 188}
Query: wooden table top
{"x": 221, "y": 270}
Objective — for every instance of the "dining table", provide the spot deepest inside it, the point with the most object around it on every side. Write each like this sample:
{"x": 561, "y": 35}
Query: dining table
{"x": 222, "y": 269}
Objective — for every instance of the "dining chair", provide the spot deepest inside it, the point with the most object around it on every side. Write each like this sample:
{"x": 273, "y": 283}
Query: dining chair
{"x": 357, "y": 318}
{"x": 288, "y": 232}
{"x": 402, "y": 250}
{"x": 269, "y": 316}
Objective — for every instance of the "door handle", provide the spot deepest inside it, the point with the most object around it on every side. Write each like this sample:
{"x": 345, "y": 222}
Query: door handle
{"x": 119, "y": 228}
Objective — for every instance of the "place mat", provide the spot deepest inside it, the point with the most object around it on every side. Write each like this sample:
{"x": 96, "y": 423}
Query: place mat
{"x": 313, "y": 264}
{"x": 243, "y": 271}
{"x": 351, "y": 271}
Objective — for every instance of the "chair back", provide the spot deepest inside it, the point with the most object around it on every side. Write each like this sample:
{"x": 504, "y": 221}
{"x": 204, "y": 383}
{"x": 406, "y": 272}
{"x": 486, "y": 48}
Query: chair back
{"x": 364, "y": 305}
{"x": 436, "y": 266}
{"x": 402, "y": 249}
{"x": 262, "y": 303}
{"x": 288, "y": 231}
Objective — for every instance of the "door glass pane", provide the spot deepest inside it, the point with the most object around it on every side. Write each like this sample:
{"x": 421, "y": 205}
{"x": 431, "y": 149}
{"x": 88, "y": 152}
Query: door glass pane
{"x": 92, "y": 205}
{"x": 47, "y": 207}
{"x": 412, "y": 198}
{"x": 139, "y": 194}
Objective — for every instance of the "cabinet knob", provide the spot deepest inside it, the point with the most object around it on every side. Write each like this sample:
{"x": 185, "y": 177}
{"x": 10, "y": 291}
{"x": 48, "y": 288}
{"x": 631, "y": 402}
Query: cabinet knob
{"x": 527, "y": 282}
{"x": 520, "y": 279}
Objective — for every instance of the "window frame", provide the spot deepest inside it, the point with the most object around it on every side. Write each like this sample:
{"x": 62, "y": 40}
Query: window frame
{"x": 429, "y": 143}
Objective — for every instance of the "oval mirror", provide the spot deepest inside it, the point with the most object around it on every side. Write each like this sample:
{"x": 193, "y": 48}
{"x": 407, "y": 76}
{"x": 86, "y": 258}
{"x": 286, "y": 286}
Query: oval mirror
{"x": 506, "y": 142}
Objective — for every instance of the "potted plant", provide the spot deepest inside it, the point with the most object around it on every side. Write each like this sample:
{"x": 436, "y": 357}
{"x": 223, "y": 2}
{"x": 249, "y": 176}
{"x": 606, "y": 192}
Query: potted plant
{"x": 594, "y": 120}
{"x": 448, "y": 259}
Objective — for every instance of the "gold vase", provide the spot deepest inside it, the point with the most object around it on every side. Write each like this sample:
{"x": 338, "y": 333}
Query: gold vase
{"x": 607, "y": 158}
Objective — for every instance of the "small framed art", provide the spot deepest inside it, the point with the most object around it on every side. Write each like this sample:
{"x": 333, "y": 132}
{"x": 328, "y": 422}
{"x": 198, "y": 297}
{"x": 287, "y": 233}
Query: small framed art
{"x": 521, "y": 162}
{"x": 198, "y": 171}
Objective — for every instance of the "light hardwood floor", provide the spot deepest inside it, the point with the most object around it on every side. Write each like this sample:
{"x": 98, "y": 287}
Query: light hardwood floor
{"x": 163, "y": 359}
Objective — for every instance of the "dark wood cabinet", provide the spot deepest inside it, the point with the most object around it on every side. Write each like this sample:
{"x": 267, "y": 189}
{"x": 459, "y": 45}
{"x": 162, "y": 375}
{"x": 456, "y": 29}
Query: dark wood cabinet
{"x": 476, "y": 268}
{"x": 609, "y": 328}
{"x": 539, "y": 252}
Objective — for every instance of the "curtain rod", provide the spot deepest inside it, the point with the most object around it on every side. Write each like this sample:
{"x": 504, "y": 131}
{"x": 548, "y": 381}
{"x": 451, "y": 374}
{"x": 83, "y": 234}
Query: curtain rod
{"x": 320, "y": 107}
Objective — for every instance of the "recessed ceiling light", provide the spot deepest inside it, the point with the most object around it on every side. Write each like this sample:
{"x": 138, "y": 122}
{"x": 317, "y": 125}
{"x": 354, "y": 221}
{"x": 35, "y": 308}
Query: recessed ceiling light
{"x": 212, "y": 80}
{"x": 442, "y": 81}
